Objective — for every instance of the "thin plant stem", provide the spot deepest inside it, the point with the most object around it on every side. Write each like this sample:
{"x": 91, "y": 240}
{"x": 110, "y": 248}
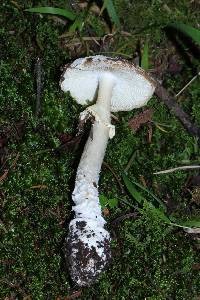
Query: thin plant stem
{"x": 187, "y": 85}
{"x": 177, "y": 169}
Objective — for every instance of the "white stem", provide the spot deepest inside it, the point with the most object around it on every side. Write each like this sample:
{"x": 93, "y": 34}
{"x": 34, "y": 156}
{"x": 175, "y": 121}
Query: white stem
{"x": 87, "y": 235}
{"x": 85, "y": 194}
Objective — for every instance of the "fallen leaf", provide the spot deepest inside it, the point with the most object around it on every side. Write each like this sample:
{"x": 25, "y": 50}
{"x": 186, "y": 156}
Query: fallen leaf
{"x": 140, "y": 119}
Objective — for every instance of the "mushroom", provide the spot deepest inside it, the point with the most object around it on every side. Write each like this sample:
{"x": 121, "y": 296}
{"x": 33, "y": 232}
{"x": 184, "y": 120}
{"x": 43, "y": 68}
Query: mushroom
{"x": 118, "y": 86}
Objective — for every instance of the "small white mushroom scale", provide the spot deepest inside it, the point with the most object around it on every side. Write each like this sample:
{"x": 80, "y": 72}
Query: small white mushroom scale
{"x": 118, "y": 86}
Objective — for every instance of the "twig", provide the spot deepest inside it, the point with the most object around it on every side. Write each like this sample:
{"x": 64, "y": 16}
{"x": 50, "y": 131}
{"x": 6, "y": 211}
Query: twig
{"x": 177, "y": 169}
{"x": 133, "y": 156}
{"x": 4, "y": 176}
{"x": 13, "y": 166}
{"x": 38, "y": 73}
{"x": 194, "y": 230}
{"x": 115, "y": 175}
{"x": 171, "y": 103}
{"x": 6, "y": 171}
{"x": 123, "y": 217}
{"x": 187, "y": 84}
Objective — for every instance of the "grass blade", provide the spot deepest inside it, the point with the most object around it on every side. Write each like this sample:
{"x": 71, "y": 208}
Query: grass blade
{"x": 54, "y": 11}
{"x": 145, "y": 57}
{"x": 127, "y": 203}
{"x": 151, "y": 194}
{"x": 159, "y": 213}
{"x": 112, "y": 13}
{"x": 188, "y": 30}
{"x": 191, "y": 223}
{"x": 105, "y": 2}
{"x": 77, "y": 25}
{"x": 130, "y": 187}
{"x": 113, "y": 203}
{"x": 108, "y": 4}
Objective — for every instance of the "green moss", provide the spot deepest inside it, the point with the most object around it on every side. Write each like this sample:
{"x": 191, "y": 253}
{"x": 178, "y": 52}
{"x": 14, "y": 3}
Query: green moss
{"x": 150, "y": 260}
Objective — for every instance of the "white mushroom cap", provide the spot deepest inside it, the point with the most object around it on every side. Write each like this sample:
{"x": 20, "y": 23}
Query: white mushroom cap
{"x": 133, "y": 87}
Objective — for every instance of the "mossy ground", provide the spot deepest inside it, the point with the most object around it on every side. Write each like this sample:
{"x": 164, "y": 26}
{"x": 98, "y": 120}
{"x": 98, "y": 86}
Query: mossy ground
{"x": 150, "y": 260}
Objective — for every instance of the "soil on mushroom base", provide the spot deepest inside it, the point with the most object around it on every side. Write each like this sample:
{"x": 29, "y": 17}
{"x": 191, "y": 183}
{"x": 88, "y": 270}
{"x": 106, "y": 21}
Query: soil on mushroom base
{"x": 82, "y": 259}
